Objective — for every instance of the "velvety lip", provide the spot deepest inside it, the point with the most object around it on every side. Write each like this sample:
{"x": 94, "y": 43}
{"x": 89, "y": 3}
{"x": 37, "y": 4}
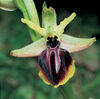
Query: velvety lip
{"x": 52, "y": 71}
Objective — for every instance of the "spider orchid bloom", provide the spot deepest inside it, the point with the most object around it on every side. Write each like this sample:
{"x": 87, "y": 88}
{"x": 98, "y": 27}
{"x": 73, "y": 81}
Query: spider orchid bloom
{"x": 54, "y": 48}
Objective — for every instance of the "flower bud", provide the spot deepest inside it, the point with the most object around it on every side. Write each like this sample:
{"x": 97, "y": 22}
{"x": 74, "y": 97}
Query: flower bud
{"x": 7, "y": 5}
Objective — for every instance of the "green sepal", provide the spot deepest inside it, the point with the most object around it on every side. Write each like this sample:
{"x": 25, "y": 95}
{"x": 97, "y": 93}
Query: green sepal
{"x": 48, "y": 17}
{"x": 31, "y": 50}
{"x": 74, "y": 44}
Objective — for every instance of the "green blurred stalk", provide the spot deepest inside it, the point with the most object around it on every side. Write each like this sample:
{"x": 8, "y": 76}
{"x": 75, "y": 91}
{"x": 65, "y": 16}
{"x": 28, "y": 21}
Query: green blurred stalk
{"x": 53, "y": 93}
{"x": 29, "y": 11}
{"x": 66, "y": 91}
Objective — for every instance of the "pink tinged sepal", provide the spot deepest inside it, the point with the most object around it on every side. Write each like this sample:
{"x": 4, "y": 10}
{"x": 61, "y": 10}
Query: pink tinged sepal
{"x": 73, "y": 44}
{"x": 31, "y": 50}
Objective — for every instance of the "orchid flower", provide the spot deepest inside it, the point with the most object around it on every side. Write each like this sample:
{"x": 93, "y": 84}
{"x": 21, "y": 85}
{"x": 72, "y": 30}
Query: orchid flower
{"x": 53, "y": 48}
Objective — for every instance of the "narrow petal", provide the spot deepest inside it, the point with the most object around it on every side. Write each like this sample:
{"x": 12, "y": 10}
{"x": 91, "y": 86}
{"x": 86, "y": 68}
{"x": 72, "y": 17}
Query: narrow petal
{"x": 41, "y": 31}
{"x": 60, "y": 28}
{"x": 31, "y": 50}
{"x": 73, "y": 44}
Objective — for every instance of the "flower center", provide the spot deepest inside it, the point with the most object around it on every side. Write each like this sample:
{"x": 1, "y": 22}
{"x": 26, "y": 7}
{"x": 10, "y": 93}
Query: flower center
{"x": 52, "y": 41}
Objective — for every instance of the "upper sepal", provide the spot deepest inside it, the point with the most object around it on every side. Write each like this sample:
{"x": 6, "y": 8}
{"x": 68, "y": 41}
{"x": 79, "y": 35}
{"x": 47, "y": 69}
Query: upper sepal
{"x": 31, "y": 50}
{"x": 48, "y": 17}
{"x": 74, "y": 44}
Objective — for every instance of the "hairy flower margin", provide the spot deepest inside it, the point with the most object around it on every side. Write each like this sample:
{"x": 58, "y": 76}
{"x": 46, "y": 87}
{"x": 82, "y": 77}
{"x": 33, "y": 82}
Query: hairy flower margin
{"x": 54, "y": 48}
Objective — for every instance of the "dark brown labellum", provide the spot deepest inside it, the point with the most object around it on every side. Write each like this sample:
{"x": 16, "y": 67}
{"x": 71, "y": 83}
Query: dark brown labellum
{"x": 54, "y": 62}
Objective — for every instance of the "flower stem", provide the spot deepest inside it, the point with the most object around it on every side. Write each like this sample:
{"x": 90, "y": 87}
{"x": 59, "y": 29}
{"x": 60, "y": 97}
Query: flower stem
{"x": 66, "y": 91}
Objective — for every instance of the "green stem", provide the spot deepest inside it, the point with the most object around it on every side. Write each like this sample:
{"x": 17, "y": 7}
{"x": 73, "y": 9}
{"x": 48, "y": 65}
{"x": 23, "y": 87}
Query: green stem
{"x": 53, "y": 93}
{"x": 66, "y": 91}
{"x": 29, "y": 12}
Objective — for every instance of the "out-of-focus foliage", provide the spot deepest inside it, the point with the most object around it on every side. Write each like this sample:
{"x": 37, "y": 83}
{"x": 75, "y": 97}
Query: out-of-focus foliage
{"x": 19, "y": 76}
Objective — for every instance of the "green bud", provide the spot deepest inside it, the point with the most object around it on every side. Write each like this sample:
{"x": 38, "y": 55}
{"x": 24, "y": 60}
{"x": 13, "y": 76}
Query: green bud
{"x": 7, "y": 5}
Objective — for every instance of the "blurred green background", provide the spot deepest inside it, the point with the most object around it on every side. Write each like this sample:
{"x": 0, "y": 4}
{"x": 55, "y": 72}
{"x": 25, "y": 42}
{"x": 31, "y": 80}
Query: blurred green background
{"x": 19, "y": 76}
